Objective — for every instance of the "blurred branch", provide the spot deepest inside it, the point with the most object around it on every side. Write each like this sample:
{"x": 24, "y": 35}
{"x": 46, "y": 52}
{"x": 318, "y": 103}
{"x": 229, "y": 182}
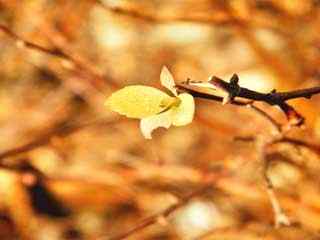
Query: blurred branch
{"x": 297, "y": 142}
{"x": 167, "y": 212}
{"x": 70, "y": 62}
{"x": 20, "y": 42}
{"x": 235, "y": 229}
{"x": 150, "y": 17}
{"x": 274, "y": 123}
{"x": 60, "y": 130}
{"x": 280, "y": 218}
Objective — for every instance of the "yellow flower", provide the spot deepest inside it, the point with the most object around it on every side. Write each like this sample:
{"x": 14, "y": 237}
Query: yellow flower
{"x": 154, "y": 107}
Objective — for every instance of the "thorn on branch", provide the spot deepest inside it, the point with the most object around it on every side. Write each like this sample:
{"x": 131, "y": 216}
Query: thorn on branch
{"x": 234, "y": 90}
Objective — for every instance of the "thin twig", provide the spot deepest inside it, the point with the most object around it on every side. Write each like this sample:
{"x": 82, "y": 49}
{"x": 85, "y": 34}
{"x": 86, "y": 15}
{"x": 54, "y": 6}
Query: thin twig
{"x": 274, "y": 123}
{"x": 97, "y": 81}
{"x": 60, "y": 130}
{"x": 162, "y": 215}
{"x": 156, "y": 218}
{"x": 233, "y": 90}
{"x": 222, "y": 19}
{"x": 297, "y": 142}
{"x": 280, "y": 218}
{"x": 152, "y": 18}
{"x": 24, "y": 43}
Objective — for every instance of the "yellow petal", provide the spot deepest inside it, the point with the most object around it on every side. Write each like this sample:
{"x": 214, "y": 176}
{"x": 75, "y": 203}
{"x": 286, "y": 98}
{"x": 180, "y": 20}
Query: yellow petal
{"x": 147, "y": 125}
{"x": 167, "y": 80}
{"x": 139, "y": 101}
{"x": 183, "y": 114}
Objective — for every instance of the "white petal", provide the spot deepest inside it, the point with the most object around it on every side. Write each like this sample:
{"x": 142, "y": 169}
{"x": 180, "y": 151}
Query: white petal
{"x": 147, "y": 125}
{"x": 183, "y": 114}
{"x": 167, "y": 80}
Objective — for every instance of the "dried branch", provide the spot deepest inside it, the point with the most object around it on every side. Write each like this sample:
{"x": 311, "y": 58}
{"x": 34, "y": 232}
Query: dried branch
{"x": 280, "y": 218}
{"x": 234, "y": 90}
{"x": 275, "y": 124}
{"x": 60, "y": 130}
{"x": 69, "y": 61}
{"x": 159, "y": 217}
{"x": 297, "y": 142}
{"x": 20, "y": 42}
{"x": 152, "y": 18}
{"x": 224, "y": 18}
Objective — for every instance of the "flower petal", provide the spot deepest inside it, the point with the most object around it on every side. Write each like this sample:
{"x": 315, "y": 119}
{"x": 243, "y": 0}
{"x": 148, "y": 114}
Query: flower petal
{"x": 147, "y": 125}
{"x": 139, "y": 101}
{"x": 167, "y": 80}
{"x": 183, "y": 114}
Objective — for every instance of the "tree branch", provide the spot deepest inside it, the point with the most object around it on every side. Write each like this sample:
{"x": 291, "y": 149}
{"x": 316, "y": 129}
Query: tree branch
{"x": 60, "y": 130}
{"x": 20, "y": 42}
{"x": 159, "y": 217}
{"x": 162, "y": 215}
{"x": 233, "y": 90}
{"x": 70, "y": 62}
{"x": 274, "y": 123}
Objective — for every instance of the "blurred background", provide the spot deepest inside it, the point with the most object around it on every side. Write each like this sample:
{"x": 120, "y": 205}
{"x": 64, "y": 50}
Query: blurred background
{"x": 72, "y": 169}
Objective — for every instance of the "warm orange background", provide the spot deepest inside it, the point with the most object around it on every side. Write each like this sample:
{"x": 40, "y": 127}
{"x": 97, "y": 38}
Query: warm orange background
{"x": 56, "y": 132}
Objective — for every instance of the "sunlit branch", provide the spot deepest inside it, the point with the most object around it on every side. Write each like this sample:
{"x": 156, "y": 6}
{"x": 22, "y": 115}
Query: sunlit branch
{"x": 274, "y": 123}
{"x": 233, "y": 91}
{"x": 297, "y": 142}
{"x": 166, "y": 213}
{"x": 280, "y": 218}
{"x": 60, "y": 130}
{"x": 69, "y": 61}
{"x": 152, "y": 18}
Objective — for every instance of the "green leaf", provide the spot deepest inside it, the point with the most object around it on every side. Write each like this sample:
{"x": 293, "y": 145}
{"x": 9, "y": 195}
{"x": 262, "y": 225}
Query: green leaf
{"x": 139, "y": 101}
{"x": 184, "y": 112}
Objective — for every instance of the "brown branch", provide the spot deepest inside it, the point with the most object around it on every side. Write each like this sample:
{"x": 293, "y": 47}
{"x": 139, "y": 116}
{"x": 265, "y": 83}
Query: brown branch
{"x": 221, "y": 19}
{"x": 234, "y": 90}
{"x": 274, "y": 123}
{"x": 164, "y": 214}
{"x": 280, "y": 218}
{"x": 297, "y": 142}
{"x": 24, "y": 43}
{"x": 170, "y": 210}
{"x": 71, "y": 62}
{"x": 60, "y": 130}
